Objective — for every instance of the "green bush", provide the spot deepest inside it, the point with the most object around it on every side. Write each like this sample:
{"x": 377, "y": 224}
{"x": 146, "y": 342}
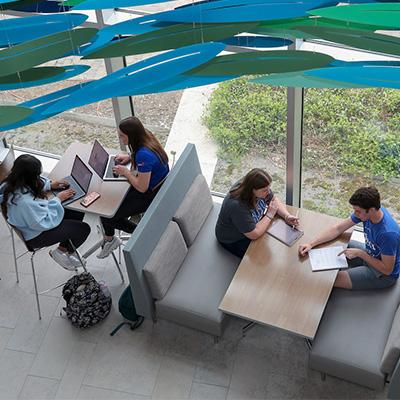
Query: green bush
{"x": 355, "y": 130}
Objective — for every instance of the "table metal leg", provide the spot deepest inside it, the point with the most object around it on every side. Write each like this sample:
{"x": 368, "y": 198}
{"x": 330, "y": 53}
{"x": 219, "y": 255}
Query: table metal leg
{"x": 247, "y": 327}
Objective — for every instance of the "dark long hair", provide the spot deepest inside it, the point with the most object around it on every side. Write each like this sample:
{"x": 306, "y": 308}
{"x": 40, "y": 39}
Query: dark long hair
{"x": 139, "y": 136}
{"x": 24, "y": 176}
{"x": 257, "y": 178}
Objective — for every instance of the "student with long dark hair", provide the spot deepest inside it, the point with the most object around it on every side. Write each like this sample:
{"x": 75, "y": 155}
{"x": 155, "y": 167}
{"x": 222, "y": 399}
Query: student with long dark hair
{"x": 247, "y": 211}
{"x": 42, "y": 221}
{"x": 149, "y": 168}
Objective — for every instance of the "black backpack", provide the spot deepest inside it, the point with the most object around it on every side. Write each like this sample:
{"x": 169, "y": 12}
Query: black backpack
{"x": 87, "y": 301}
{"x": 126, "y": 307}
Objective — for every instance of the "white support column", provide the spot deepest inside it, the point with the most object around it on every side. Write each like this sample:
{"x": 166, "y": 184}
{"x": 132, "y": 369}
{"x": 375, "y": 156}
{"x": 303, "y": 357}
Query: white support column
{"x": 294, "y": 136}
{"x": 123, "y": 106}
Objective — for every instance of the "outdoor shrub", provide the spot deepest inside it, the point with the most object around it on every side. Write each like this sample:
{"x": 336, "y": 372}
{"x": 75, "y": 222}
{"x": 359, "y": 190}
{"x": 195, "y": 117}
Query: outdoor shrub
{"x": 356, "y": 130}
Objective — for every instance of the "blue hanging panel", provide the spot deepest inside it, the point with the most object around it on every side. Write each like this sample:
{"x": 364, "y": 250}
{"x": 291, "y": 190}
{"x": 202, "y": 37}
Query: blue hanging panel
{"x": 151, "y": 71}
{"x": 39, "y": 105}
{"x": 17, "y": 30}
{"x": 136, "y": 26}
{"x": 104, "y": 4}
{"x": 241, "y": 11}
{"x": 35, "y": 6}
{"x": 368, "y": 75}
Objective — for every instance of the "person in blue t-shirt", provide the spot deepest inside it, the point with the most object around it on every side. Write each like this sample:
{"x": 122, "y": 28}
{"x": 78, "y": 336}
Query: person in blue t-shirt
{"x": 149, "y": 169}
{"x": 377, "y": 264}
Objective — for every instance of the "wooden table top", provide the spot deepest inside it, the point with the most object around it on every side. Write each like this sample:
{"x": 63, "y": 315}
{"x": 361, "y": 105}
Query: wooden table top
{"x": 274, "y": 286}
{"x": 111, "y": 192}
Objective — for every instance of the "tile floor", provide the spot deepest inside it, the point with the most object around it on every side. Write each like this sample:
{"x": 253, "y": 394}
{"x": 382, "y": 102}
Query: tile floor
{"x": 50, "y": 359}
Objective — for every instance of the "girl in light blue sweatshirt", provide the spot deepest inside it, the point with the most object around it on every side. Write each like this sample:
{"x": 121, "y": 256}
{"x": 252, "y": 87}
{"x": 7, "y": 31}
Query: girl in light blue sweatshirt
{"x": 42, "y": 221}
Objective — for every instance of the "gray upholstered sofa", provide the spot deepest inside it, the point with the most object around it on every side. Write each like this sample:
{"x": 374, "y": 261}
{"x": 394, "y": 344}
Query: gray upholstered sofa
{"x": 177, "y": 269}
{"x": 358, "y": 338}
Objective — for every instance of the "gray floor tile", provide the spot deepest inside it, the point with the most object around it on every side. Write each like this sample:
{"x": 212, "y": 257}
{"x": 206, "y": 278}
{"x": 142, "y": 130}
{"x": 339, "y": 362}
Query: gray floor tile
{"x": 174, "y": 379}
{"x": 123, "y": 368}
{"x": 30, "y": 331}
{"x": 55, "y": 351}
{"x": 39, "y": 388}
{"x": 14, "y": 368}
{"x": 90, "y": 392}
{"x": 207, "y": 392}
{"x": 5, "y": 334}
{"x": 76, "y": 370}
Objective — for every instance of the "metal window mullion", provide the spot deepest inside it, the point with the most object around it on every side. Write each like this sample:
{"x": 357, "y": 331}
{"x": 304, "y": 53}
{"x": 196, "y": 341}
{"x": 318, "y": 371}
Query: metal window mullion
{"x": 294, "y": 136}
{"x": 122, "y": 106}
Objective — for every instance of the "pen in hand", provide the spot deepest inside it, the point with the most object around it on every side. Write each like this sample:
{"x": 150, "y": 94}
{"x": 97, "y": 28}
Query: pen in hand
{"x": 296, "y": 216}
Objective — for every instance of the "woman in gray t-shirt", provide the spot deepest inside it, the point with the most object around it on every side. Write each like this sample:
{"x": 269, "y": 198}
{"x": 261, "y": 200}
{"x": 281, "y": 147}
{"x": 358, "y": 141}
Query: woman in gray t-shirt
{"x": 247, "y": 211}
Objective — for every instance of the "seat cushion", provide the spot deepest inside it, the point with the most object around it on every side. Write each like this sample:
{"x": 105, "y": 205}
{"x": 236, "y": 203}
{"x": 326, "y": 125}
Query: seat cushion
{"x": 201, "y": 283}
{"x": 392, "y": 349}
{"x": 353, "y": 333}
{"x": 194, "y": 209}
{"x": 165, "y": 261}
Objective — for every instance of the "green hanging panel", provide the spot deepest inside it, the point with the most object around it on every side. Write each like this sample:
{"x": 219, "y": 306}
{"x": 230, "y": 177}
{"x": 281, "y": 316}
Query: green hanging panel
{"x": 35, "y": 52}
{"x": 356, "y": 38}
{"x": 262, "y": 62}
{"x": 12, "y": 114}
{"x": 172, "y": 37}
{"x": 385, "y": 14}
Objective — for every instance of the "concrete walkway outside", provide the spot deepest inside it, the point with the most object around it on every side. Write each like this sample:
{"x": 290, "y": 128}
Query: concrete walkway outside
{"x": 187, "y": 128}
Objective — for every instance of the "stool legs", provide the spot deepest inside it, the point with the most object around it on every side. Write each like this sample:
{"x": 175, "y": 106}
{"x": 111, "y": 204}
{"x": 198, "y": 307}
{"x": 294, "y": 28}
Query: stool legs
{"x": 118, "y": 267}
{"x": 15, "y": 255}
{"x": 35, "y": 285}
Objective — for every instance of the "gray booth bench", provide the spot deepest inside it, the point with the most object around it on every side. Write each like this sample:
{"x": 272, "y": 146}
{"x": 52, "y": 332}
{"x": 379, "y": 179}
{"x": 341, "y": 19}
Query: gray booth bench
{"x": 177, "y": 269}
{"x": 358, "y": 338}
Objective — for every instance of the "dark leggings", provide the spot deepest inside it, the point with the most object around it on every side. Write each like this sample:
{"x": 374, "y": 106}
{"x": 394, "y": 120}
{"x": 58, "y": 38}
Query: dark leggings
{"x": 71, "y": 228}
{"x": 134, "y": 203}
{"x": 238, "y": 248}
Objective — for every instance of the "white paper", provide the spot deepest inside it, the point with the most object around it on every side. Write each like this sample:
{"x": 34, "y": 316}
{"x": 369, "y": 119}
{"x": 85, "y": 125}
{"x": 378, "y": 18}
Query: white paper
{"x": 327, "y": 258}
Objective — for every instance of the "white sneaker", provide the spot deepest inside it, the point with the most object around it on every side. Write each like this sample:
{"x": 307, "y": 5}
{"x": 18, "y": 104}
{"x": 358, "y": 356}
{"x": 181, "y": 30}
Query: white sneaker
{"x": 75, "y": 260}
{"x": 108, "y": 247}
{"x": 62, "y": 259}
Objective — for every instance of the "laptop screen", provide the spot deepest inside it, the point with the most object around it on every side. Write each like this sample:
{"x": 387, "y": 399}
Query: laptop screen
{"x": 98, "y": 159}
{"x": 81, "y": 173}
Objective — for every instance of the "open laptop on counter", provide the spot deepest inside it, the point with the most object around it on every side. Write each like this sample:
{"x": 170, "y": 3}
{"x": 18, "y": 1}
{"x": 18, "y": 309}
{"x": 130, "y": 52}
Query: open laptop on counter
{"x": 103, "y": 163}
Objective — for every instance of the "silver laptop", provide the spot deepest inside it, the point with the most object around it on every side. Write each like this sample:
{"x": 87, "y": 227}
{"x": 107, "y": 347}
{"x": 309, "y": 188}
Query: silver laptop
{"x": 79, "y": 180}
{"x": 103, "y": 163}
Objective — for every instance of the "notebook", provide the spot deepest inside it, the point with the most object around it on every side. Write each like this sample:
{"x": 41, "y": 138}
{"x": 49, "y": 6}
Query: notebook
{"x": 284, "y": 233}
{"x": 103, "y": 163}
{"x": 326, "y": 258}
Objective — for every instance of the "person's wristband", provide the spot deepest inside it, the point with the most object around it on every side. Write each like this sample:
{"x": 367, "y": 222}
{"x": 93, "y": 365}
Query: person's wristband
{"x": 286, "y": 218}
{"x": 266, "y": 215}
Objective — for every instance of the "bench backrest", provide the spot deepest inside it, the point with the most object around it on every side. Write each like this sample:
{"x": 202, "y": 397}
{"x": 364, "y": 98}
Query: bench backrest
{"x": 147, "y": 234}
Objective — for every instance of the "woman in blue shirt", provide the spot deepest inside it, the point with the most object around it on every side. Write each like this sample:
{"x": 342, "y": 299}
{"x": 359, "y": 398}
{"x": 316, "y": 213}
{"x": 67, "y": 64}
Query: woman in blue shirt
{"x": 149, "y": 168}
{"x": 42, "y": 221}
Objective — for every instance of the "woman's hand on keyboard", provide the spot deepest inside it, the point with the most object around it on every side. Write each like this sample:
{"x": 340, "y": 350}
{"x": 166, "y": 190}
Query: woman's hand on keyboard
{"x": 66, "y": 194}
{"x": 122, "y": 158}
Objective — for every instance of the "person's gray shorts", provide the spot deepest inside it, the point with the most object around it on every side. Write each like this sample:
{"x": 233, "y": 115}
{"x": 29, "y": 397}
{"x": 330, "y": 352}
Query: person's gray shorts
{"x": 364, "y": 277}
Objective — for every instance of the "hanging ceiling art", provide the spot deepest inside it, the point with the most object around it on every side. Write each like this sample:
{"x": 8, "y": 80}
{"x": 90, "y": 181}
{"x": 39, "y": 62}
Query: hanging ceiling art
{"x": 201, "y": 42}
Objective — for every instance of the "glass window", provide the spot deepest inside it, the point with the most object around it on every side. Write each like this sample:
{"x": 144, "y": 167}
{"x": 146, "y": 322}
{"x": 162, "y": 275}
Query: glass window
{"x": 248, "y": 124}
{"x": 54, "y": 135}
{"x": 351, "y": 139}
